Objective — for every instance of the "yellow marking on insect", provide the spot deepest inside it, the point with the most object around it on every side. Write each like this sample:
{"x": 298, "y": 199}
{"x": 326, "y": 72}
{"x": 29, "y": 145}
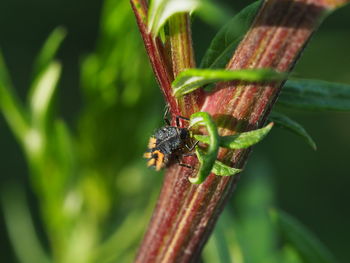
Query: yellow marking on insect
{"x": 160, "y": 160}
{"x": 147, "y": 155}
{"x": 151, "y": 162}
{"x": 152, "y": 142}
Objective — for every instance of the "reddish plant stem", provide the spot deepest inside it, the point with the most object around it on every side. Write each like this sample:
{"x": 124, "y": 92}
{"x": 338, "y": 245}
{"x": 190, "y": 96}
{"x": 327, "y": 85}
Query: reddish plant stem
{"x": 182, "y": 57}
{"x": 186, "y": 214}
{"x": 157, "y": 54}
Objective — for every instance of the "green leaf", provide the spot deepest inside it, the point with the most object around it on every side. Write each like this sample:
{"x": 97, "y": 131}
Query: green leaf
{"x": 49, "y": 50}
{"x": 192, "y": 79}
{"x": 218, "y": 168}
{"x": 20, "y": 226}
{"x": 222, "y": 245}
{"x": 309, "y": 247}
{"x": 253, "y": 202}
{"x": 285, "y": 122}
{"x": 161, "y": 10}
{"x": 317, "y": 95}
{"x": 214, "y": 13}
{"x": 11, "y": 106}
{"x": 42, "y": 92}
{"x": 240, "y": 140}
{"x": 290, "y": 255}
{"x": 207, "y": 160}
{"x": 227, "y": 39}
{"x": 224, "y": 170}
{"x": 62, "y": 143}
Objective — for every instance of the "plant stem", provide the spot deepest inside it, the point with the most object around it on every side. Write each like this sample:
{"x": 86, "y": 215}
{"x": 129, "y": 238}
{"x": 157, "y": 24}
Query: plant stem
{"x": 182, "y": 55}
{"x": 156, "y": 52}
{"x": 185, "y": 213}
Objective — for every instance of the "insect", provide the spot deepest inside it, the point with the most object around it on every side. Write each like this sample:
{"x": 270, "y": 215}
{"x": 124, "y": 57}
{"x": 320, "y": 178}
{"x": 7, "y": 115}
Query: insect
{"x": 169, "y": 143}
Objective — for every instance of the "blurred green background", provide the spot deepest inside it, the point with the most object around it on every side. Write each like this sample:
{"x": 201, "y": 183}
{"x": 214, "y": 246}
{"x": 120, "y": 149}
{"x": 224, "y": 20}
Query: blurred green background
{"x": 88, "y": 191}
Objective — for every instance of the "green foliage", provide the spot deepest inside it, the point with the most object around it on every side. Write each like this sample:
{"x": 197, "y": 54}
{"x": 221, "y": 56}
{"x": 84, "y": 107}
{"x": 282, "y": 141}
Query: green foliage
{"x": 218, "y": 168}
{"x": 11, "y": 107}
{"x": 228, "y": 38}
{"x": 82, "y": 175}
{"x": 42, "y": 93}
{"x": 285, "y": 122}
{"x": 49, "y": 50}
{"x": 309, "y": 247}
{"x": 207, "y": 159}
{"x": 45, "y": 141}
{"x": 245, "y": 225}
{"x": 213, "y": 13}
{"x": 239, "y": 140}
{"x": 315, "y": 95}
{"x": 30, "y": 123}
{"x": 223, "y": 246}
{"x": 19, "y": 224}
{"x": 192, "y": 79}
{"x": 273, "y": 235}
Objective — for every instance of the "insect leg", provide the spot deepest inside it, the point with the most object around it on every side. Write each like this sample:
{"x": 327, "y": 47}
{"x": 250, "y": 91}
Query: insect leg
{"x": 188, "y": 154}
{"x": 190, "y": 148}
{"x": 186, "y": 165}
{"x": 165, "y": 117}
{"x": 183, "y": 164}
{"x": 178, "y": 120}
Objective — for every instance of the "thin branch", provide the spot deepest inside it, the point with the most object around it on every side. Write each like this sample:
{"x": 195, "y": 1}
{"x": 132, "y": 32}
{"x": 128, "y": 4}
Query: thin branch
{"x": 158, "y": 57}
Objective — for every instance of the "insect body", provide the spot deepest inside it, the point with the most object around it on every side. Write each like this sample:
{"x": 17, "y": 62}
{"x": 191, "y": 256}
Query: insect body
{"x": 168, "y": 143}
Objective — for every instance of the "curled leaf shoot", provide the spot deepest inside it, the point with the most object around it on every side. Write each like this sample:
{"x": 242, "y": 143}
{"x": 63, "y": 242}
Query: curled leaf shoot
{"x": 208, "y": 159}
{"x": 240, "y": 140}
{"x": 161, "y": 10}
{"x": 191, "y": 79}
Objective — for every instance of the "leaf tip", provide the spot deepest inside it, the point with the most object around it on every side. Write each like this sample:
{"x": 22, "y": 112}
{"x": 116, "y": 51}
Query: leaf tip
{"x": 194, "y": 180}
{"x": 62, "y": 31}
{"x": 313, "y": 145}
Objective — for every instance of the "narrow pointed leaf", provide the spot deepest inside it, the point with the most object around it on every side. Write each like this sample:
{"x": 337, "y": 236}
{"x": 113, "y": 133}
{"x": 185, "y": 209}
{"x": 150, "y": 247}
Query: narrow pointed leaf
{"x": 49, "y": 50}
{"x": 10, "y": 105}
{"x": 224, "y": 170}
{"x": 285, "y": 122}
{"x": 289, "y": 254}
{"x": 161, "y": 10}
{"x": 309, "y": 247}
{"x": 227, "y": 39}
{"x": 240, "y": 140}
{"x": 218, "y": 168}
{"x": 42, "y": 91}
{"x": 214, "y": 13}
{"x": 245, "y": 139}
{"x": 20, "y": 227}
{"x": 192, "y": 79}
{"x": 315, "y": 95}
